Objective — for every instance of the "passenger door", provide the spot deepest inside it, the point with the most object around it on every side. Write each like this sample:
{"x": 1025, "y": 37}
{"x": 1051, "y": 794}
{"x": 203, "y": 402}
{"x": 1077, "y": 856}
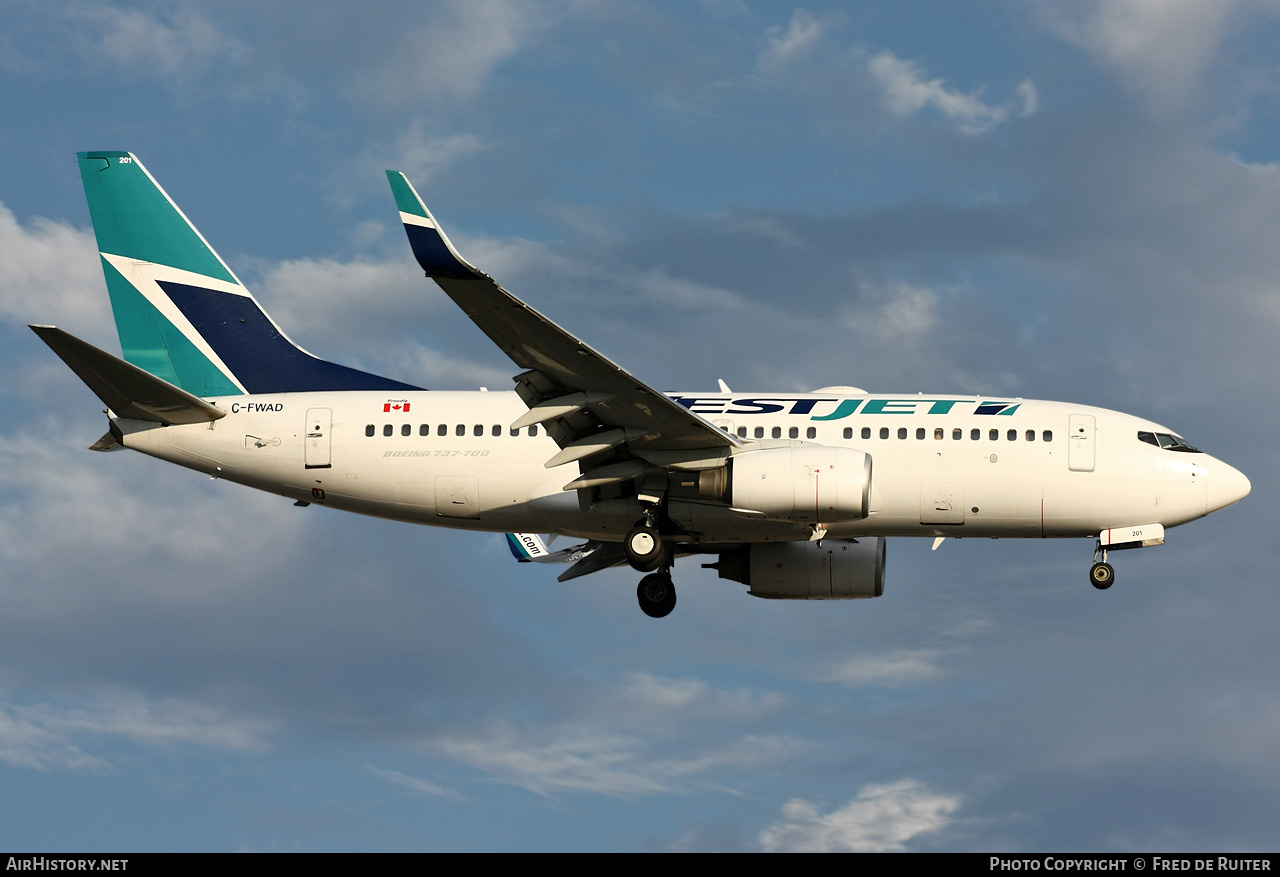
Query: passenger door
{"x": 1080, "y": 442}
{"x": 319, "y": 425}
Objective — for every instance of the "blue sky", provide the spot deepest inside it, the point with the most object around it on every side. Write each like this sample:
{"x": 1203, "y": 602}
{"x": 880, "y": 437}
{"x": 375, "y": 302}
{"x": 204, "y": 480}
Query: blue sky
{"x": 1071, "y": 200}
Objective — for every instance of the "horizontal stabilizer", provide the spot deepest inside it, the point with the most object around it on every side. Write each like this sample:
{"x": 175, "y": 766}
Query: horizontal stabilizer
{"x": 126, "y": 389}
{"x": 606, "y": 555}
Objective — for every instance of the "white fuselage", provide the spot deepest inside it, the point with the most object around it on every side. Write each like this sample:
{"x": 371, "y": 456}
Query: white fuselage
{"x": 942, "y": 465}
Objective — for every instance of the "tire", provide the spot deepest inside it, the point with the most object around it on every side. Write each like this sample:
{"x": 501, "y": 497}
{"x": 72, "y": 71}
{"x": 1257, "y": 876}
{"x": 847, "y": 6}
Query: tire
{"x": 656, "y": 595}
{"x": 1102, "y": 576}
{"x": 644, "y": 549}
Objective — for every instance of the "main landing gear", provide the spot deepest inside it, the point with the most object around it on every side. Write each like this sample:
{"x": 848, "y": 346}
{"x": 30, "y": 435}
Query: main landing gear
{"x": 1101, "y": 575}
{"x": 644, "y": 547}
{"x": 647, "y": 552}
{"x": 657, "y": 595}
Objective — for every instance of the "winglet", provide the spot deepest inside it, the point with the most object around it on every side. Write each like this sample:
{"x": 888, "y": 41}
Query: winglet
{"x": 431, "y": 247}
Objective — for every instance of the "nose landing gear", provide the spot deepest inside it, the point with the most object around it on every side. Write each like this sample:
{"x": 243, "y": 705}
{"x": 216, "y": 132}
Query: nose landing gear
{"x": 1101, "y": 575}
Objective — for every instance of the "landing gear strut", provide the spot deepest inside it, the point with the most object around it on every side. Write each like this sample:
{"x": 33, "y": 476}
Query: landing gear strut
{"x": 646, "y": 552}
{"x": 657, "y": 594}
{"x": 1101, "y": 574}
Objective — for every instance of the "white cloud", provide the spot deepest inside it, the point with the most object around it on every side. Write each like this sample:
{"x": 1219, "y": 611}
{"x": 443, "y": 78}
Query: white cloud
{"x": 420, "y": 156}
{"x": 801, "y": 34}
{"x": 417, "y": 785}
{"x": 26, "y": 744}
{"x": 174, "y": 42}
{"x": 898, "y": 667}
{"x": 48, "y": 737}
{"x": 906, "y": 92}
{"x": 573, "y": 758}
{"x": 895, "y": 313}
{"x": 412, "y": 362}
{"x": 693, "y": 695}
{"x": 60, "y": 37}
{"x": 577, "y": 760}
{"x": 451, "y": 55}
{"x": 882, "y": 819}
{"x": 1030, "y": 98}
{"x": 319, "y": 297}
{"x": 56, "y": 487}
{"x": 1162, "y": 48}
{"x": 528, "y": 260}
{"x": 50, "y": 272}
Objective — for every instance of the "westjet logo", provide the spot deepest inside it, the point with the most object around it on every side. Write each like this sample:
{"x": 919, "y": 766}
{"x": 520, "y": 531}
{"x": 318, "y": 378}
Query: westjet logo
{"x": 818, "y": 408}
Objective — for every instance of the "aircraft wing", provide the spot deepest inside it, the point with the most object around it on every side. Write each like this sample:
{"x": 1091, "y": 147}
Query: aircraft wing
{"x": 589, "y": 403}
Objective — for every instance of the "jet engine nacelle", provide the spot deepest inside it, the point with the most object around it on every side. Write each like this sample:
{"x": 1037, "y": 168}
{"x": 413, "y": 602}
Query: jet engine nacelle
{"x": 835, "y": 569}
{"x": 806, "y": 483}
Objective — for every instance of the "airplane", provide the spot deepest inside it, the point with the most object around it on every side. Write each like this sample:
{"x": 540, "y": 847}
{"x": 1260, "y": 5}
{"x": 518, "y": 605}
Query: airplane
{"x": 790, "y": 494}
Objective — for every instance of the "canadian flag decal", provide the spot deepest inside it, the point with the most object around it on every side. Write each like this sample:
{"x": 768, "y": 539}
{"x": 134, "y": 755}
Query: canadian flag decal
{"x": 399, "y": 405}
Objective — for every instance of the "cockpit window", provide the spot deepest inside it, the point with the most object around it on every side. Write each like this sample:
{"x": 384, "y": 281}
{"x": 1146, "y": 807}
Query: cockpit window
{"x": 1168, "y": 441}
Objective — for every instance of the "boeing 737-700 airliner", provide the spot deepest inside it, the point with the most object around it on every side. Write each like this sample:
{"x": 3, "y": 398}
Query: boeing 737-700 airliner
{"x": 791, "y": 494}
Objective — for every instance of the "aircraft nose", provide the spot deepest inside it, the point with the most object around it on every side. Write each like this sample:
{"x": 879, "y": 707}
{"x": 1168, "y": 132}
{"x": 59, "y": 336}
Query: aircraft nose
{"x": 1226, "y": 486}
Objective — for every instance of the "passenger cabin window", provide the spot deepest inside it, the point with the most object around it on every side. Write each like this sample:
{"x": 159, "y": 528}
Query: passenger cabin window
{"x": 975, "y": 434}
{"x": 1031, "y": 435}
{"x": 994, "y": 435}
{"x": 937, "y": 433}
{"x": 533, "y": 430}
{"x": 777, "y": 432}
{"x": 902, "y": 432}
{"x": 866, "y": 432}
{"x": 442, "y": 429}
{"x": 794, "y": 432}
{"x": 759, "y": 432}
{"x": 460, "y": 429}
{"x": 497, "y": 430}
{"x": 957, "y": 433}
{"x": 406, "y": 430}
{"x": 387, "y": 429}
{"x": 1013, "y": 435}
{"x": 884, "y": 432}
{"x": 742, "y": 432}
{"x": 478, "y": 430}
{"x": 848, "y": 432}
{"x": 1047, "y": 435}
{"x": 424, "y": 430}
{"x": 811, "y": 432}
{"x": 920, "y": 433}
{"x": 369, "y": 430}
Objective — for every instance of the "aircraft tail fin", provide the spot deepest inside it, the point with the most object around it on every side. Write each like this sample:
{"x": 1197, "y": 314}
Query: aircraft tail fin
{"x": 526, "y": 547}
{"x": 126, "y": 389}
{"x": 181, "y": 313}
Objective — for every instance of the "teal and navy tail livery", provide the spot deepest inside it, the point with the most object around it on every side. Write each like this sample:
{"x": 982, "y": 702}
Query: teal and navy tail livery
{"x": 781, "y": 488}
{"x": 181, "y": 313}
